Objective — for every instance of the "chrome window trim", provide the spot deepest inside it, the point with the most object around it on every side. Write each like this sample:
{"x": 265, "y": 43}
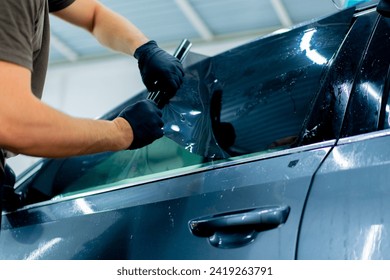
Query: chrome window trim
{"x": 363, "y": 137}
{"x": 364, "y": 12}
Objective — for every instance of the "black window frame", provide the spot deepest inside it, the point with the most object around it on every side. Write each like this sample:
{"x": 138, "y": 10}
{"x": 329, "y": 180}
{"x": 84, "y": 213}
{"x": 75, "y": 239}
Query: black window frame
{"x": 365, "y": 111}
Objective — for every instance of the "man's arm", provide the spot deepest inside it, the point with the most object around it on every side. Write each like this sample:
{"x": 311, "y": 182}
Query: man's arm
{"x": 160, "y": 71}
{"x": 30, "y": 127}
{"x": 111, "y": 29}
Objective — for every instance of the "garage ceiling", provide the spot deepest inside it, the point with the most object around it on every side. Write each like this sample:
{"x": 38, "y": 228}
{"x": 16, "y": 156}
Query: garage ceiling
{"x": 169, "y": 21}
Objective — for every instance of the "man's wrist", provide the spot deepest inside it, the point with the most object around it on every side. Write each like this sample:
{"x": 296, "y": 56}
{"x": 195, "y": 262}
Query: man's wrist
{"x": 144, "y": 47}
{"x": 125, "y": 131}
{"x": 138, "y": 43}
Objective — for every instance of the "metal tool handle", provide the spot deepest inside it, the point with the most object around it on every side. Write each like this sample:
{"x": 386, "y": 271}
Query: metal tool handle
{"x": 182, "y": 50}
{"x": 180, "y": 53}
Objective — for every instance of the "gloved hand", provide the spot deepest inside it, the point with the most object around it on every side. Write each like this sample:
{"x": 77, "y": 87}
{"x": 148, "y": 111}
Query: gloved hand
{"x": 160, "y": 71}
{"x": 145, "y": 119}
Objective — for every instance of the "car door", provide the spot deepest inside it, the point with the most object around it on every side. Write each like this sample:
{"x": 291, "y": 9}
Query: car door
{"x": 164, "y": 202}
{"x": 347, "y": 213}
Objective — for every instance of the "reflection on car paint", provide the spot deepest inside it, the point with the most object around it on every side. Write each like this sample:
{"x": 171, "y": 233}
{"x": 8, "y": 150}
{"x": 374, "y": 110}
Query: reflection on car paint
{"x": 43, "y": 248}
{"x": 311, "y": 53}
{"x": 83, "y": 206}
{"x": 373, "y": 238}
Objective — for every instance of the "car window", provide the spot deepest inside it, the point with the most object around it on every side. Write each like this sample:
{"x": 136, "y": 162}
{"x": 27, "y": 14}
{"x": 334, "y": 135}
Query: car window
{"x": 260, "y": 94}
{"x": 266, "y": 103}
{"x": 255, "y": 98}
{"x": 160, "y": 157}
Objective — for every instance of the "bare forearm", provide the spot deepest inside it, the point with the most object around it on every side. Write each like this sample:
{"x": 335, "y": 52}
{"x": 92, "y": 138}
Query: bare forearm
{"x": 111, "y": 29}
{"x": 116, "y": 32}
{"x": 45, "y": 132}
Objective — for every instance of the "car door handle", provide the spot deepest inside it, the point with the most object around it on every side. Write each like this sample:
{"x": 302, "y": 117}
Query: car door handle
{"x": 235, "y": 229}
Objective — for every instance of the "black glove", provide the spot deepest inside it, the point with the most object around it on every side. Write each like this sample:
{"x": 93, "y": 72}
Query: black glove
{"x": 160, "y": 71}
{"x": 146, "y": 122}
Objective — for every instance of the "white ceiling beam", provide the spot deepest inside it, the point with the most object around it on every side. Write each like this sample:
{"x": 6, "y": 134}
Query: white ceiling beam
{"x": 63, "y": 48}
{"x": 282, "y": 13}
{"x": 194, "y": 18}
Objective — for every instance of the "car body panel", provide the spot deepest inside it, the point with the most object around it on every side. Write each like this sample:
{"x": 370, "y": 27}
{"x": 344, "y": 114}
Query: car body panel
{"x": 348, "y": 213}
{"x": 151, "y": 221}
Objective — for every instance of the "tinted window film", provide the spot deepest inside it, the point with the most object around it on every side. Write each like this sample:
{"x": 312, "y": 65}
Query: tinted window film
{"x": 367, "y": 94}
{"x": 268, "y": 89}
{"x": 256, "y": 96}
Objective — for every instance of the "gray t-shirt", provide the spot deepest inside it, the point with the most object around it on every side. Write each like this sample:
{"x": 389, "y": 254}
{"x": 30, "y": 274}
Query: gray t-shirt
{"x": 25, "y": 36}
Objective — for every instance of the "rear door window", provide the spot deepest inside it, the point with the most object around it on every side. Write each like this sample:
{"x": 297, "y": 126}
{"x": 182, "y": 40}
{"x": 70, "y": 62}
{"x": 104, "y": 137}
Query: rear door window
{"x": 269, "y": 88}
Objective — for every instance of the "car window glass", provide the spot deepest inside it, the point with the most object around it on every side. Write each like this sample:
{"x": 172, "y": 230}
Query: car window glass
{"x": 158, "y": 158}
{"x": 252, "y": 99}
{"x": 256, "y": 96}
{"x": 265, "y": 105}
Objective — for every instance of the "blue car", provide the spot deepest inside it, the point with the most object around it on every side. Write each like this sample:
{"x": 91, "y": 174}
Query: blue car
{"x": 276, "y": 149}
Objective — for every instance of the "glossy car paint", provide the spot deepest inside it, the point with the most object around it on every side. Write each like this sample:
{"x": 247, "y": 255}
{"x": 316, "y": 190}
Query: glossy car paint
{"x": 348, "y": 212}
{"x": 151, "y": 221}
